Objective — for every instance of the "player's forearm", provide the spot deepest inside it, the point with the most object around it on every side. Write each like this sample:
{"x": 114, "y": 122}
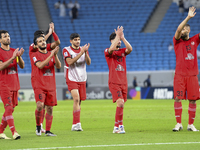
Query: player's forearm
{"x": 114, "y": 44}
{"x": 58, "y": 63}
{"x": 4, "y": 65}
{"x": 71, "y": 61}
{"x": 128, "y": 46}
{"x": 87, "y": 59}
{"x": 47, "y": 36}
{"x": 183, "y": 23}
{"x": 21, "y": 62}
{"x": 41, "y": 65}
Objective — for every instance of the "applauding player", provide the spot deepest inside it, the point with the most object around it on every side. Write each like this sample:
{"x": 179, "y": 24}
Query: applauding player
{"x": 116, "y": 60}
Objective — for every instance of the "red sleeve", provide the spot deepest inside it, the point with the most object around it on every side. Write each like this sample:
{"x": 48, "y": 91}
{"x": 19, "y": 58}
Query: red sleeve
{"x": 49, "y": 47}
{"x": 197, "y": 38}
{"x": 34, "y": 58}
{"x": 107, "y": 54}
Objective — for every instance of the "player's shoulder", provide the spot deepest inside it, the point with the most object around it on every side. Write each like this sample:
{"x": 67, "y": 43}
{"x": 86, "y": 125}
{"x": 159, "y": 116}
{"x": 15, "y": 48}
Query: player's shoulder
{"x": 12, "y": 49}
{"x": 66, "y": 48}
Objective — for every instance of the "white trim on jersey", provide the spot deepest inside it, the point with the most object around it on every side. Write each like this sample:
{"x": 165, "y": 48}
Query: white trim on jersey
{"x": 77, "y": 71}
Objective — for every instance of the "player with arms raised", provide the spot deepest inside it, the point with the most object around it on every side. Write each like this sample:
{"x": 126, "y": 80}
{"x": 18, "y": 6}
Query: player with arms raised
{"x": 116, "y": 60}
{"x": 186, "y": 72}
{"x": 50, "y": 46}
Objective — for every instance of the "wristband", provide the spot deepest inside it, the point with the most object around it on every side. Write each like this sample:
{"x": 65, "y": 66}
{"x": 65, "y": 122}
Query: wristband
{"x": 55, "y": 37}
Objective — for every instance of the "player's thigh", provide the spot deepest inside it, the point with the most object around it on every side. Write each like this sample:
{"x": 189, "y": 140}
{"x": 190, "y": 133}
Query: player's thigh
{"x": 82, "y": 91}
{"x": 192, "y": 88}
{"x": 124, "y": 88}
{"x": 179, "y": 87}
{"x": 6, "y": 97}
{"x": 51, "y": 98}
{"x": 14, "y": 98}
{"x": 72, "y": 85}
{"x": 40, "y": 95}
{"x": 116, "y": 92}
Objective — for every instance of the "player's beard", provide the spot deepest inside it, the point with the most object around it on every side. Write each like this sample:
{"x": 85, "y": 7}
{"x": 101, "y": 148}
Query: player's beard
{"x": 184, "y": 36}
{"x": 42, "y": 48}
{"x": 6, "y": 43}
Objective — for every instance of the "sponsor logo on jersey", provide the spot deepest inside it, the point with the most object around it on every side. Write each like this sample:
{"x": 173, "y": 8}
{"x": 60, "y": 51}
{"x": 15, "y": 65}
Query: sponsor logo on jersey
{"x": 119, "y": 68}
{"x": 12, "y": 71}
{"x": 189, "y": 56}
{"x": 48, "y": 73}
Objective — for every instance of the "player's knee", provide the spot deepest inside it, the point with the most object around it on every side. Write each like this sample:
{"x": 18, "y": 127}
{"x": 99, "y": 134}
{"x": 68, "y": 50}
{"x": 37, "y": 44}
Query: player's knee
{"x": 9, "y": 109}
{"x": 192, "y": 101}
{"x": 177, "y": 100}
{"x": 40, "y": 106}
{"x": 76, "y": 100}
{"x": 120, "y": 102}
{"x": 50, "y": 110}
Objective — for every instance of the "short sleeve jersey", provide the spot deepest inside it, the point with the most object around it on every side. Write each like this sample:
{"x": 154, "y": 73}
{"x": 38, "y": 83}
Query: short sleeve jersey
{"x": 9, "y": 79}
{"x": 44, "y": 78}
{"x": 117, "y": 66}
{"x": 186, "y": 55}
{"x": 31, "y": 51}
{"x": 77, "y": 71}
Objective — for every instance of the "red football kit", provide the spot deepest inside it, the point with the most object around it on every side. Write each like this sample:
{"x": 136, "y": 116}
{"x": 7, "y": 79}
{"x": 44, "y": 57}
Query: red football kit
{"x": 44, "y": 79}
{"x": 186, "y": 72}
{"x": 9, "y": 80}
{"x": 31, "y": 51}
{"x": 117, "y": 73}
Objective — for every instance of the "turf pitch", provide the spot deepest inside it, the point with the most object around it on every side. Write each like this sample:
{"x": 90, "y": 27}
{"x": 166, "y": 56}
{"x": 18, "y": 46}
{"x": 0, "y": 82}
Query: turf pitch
{"x": 148, "y": 125}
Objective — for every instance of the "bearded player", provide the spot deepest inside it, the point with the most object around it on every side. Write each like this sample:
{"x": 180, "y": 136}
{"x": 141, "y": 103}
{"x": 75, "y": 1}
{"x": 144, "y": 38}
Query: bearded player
{"x": 43, "y": 63}
{"x": 9, "y": 82}
{"x": 185, "y": 79}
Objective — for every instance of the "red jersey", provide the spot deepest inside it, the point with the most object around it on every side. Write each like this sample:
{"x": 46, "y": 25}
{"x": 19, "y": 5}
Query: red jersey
{"x": 9, "y": 79}
{"x": 31, "y": 51}
{"x": 44, "y": 78}
{"x": 186, "y": 55}
{"x": 117, "y": 66}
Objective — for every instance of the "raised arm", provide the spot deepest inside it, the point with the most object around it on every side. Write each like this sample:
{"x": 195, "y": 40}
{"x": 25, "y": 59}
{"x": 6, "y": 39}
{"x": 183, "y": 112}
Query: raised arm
{"x": 117, "y": 39}
{"x": 20, "y": 60}
{"x": 57, "y": 61}
{"x": 5, "y": 64}
{"x": 127, "y": 44}
{"x": 55, "y": 37}
{"x": 190, "y": 15}
{"x": 87, "y": 57}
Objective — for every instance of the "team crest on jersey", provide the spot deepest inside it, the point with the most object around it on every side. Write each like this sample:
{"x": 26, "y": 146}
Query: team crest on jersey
{"x": 65, "y": 54}
{"x": 189, "y": 56}
{"x": 119, "y": 68}
{"x": 192, "y": 43}
{"x": 34, "y": 59}
{"x": 106, "y": 50}
{"x": 123, "y": 54}
{"x": 52, "y": 59}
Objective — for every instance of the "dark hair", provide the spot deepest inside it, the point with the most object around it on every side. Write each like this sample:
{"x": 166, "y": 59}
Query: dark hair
{"x": 35, "y": 39}
{"x": 2, "y": 31}
{"x": 187, "y": 25}
{"x": 112, "y": 36}
{"x": 38, "y": 32}
{"x": 74, "y": 35}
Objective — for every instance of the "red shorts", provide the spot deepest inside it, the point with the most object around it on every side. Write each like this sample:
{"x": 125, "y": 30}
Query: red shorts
{"x": 118, "y": 91}
{"x": 47, "y": 97}
{"x": 186, "y": 83}
{"x": 80, "y": 86}
{"x": 9, "y": 98}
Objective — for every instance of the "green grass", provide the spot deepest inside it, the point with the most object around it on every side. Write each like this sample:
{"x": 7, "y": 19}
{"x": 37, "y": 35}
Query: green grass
{"x": 145, "y": 121}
